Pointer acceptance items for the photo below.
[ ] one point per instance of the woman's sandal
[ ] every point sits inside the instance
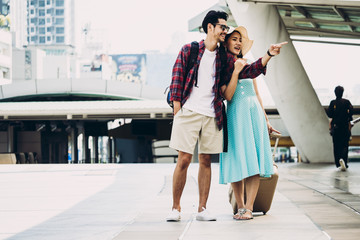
(241, 213)
(247, 218)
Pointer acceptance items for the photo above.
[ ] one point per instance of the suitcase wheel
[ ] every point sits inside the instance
(264, 213)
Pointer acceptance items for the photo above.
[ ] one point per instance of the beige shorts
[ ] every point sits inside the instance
(190, 127)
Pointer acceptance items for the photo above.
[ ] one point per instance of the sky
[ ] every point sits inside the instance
(139, 26)
(134, 26)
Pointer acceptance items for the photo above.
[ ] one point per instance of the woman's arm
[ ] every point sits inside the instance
(229, 90)
(270, 128)
(273, 50)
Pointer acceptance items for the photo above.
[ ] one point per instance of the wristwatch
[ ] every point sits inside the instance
(268, 53)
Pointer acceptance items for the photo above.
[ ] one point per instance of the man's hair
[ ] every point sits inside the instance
(339, 90)
(213, 18)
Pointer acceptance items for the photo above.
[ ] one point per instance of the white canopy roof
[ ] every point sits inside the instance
(84, 110)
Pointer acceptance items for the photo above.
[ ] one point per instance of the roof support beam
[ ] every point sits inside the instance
(292, 30)
(343, 15)
(309, 2)
(303, 12)
(291, 21)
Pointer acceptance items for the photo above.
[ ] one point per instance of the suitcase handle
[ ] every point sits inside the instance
(277, 136)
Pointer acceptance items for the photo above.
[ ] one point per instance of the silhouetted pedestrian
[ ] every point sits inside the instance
(340, 111)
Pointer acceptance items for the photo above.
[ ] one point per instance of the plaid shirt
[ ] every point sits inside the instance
(181, 95)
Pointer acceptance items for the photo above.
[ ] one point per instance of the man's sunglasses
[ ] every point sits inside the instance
(223, 27)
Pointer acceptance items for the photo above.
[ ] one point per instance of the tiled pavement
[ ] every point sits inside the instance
(131, 201)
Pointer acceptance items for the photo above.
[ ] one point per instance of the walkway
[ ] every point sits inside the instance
(131, 202)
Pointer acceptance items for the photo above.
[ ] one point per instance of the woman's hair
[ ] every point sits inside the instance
(227, 38)
(213, 18)
(339, 90)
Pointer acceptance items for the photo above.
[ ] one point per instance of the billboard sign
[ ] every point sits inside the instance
(130, 67)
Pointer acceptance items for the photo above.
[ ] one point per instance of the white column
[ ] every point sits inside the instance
(10, 139)
(288, 83)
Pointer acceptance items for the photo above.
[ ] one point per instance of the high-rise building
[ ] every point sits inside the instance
(5, 43)
(18, 22)
(51, 22)
(4, 7)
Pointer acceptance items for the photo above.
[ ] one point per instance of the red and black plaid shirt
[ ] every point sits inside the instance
(181, 95)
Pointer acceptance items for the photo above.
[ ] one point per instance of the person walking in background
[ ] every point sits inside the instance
(249, 152)
(340, 111)
(197, 102)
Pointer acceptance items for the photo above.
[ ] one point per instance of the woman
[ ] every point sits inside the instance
(249, 151)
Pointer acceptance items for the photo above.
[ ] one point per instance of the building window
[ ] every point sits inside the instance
(60, 30)
(32, 11)
(42, 40)
(42, 30)
(4, 10)
(48, 2)
(48, 39)
(33, 20)
(59, 3)
(49, 11)
(60, 39)
(59, 21)
(59, 12)
(41, 3)
(48, 20)
(41, 21)
(32, 30)
(42, 12)
(33, 39)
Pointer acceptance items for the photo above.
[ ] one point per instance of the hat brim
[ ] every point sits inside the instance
(246, 42)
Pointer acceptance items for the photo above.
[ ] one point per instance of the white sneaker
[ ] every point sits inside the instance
(342, 165)
(204, 215)
(174, 216)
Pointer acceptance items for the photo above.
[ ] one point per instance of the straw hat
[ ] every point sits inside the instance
(246, 42)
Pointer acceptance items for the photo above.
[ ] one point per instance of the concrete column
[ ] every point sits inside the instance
(86, 148)
(74, 153)
(81, 131)
(288, 83)
(96, 149)
(111, 150)
(10, 139)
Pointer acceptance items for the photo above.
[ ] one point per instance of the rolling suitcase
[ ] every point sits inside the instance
(266, 190)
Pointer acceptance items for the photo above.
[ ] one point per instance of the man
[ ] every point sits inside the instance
(340, 111)
(197, 100)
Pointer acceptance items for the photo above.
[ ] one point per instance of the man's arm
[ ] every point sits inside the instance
(351, 111)
(176, 87)
(330, 113)
(177, 106)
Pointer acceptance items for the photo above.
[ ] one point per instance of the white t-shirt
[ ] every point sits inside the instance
(201, 97)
